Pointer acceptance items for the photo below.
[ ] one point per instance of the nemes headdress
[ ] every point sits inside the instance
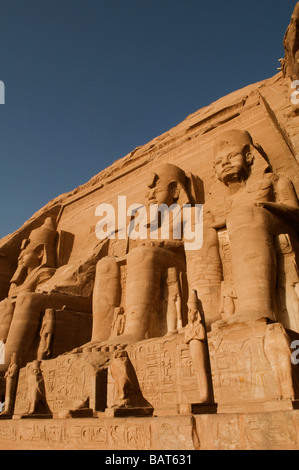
(235, 137)
(44, 236)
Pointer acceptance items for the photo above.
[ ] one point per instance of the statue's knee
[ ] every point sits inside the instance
(106, 266)
(26, 300)
(143, 257)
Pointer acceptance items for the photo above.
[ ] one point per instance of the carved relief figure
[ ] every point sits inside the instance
(228, 299)
(196, 338)
(172, 301)
(36, 389)
(46, 335)
(127, 393)
(255, 205)
(118, 324)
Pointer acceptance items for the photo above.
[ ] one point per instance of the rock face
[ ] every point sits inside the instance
(291, 45)
(106, 315)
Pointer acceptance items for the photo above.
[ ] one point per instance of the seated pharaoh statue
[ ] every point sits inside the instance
(149, 298)
(251, 221)
(21, 312)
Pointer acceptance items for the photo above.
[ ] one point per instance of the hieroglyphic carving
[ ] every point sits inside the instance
(116, 434)
(242, 366)
(69, 383)
(165, 371)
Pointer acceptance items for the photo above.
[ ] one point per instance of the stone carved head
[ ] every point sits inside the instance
(37, 250)
(167, 186)
(234, 155)
(194, 308)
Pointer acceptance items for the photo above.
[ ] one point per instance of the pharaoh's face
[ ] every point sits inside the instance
(231, 164)
(192, 314)
(29, 258)
(160, 191)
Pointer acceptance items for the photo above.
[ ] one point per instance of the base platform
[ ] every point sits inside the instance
(278, 430)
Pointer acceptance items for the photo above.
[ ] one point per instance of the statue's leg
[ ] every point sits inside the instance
(26, 321)
(6, 314)
(254, 262)
(144, 269)
(204, 273)
(106, 296)
(10, 392)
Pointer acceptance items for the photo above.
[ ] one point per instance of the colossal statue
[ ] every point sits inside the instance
(35, 266)
(254, 207)
(155, 266)
(20, 312)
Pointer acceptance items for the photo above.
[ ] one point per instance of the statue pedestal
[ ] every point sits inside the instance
(198, 409)
(250, 363)
(251, 367)
(81, 413)
(254, 385)
(260, 406)
(126, 412)
(33, 416)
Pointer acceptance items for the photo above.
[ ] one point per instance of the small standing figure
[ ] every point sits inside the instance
(228, 300)
(119, 320)
(11, 378)
(171, 301)
(127, 390)
(36, 389)
(196, 338)
(46, 335)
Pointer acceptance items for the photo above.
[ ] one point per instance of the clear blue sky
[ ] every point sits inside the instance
(87, 81)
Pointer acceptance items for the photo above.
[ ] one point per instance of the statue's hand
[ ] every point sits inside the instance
(269, 205)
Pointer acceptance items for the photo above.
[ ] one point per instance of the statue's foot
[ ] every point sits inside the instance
(6, 413)
(241, 317)
(110, 345)
(172, 332)
(118, 342)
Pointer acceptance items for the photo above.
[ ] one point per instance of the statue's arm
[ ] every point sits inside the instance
(286, 204)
